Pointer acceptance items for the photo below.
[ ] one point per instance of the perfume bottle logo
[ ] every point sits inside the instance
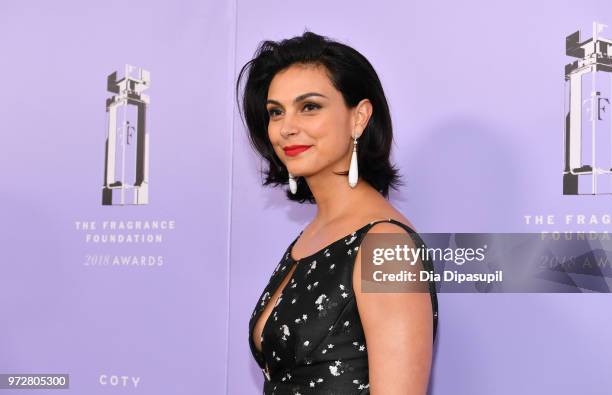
(126, 163)
(588, 124)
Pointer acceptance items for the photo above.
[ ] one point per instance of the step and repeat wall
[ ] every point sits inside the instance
(116, 129)
(136, 236)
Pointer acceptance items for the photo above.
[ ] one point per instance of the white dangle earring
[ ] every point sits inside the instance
(292, 184)
(353, 169)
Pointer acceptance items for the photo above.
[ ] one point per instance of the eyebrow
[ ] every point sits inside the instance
(297, 99)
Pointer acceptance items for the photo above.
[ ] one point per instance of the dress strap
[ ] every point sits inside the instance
(393, 221)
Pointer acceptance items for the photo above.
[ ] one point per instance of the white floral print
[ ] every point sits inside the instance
(316, 324)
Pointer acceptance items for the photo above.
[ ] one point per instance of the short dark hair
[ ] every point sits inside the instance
(351, 74)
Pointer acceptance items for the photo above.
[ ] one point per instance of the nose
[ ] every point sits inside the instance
(289, 126)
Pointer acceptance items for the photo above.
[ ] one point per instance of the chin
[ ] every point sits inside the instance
(298, 169)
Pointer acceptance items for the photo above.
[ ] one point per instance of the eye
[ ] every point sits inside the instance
(272, 112)
(312, 106)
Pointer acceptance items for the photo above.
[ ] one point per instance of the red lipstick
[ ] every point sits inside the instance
(293, 150)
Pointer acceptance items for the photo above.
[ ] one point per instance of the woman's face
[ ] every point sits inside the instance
(305, 109)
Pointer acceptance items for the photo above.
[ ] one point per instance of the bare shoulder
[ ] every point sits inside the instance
(390, 227)
(387, 227)
(398, 328)
(378, 228)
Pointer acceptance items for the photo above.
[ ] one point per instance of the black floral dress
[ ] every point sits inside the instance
(313, 341)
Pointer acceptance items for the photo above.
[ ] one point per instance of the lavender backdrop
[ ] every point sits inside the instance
(476, 93)
(165, 325)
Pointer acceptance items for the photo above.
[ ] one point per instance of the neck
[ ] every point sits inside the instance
(335, 198)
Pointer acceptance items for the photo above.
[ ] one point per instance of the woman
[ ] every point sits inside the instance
(315, 107)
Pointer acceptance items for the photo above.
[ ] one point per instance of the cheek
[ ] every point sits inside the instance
(333, 136)
(329, 128)
(274, 135)
(332, 146)
(274, 138)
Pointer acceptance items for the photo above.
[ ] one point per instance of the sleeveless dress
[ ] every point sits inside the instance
(313, 341)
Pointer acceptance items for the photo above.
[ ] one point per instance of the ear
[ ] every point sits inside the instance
(362, 114)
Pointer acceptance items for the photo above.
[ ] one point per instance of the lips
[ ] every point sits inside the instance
(293, 150)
